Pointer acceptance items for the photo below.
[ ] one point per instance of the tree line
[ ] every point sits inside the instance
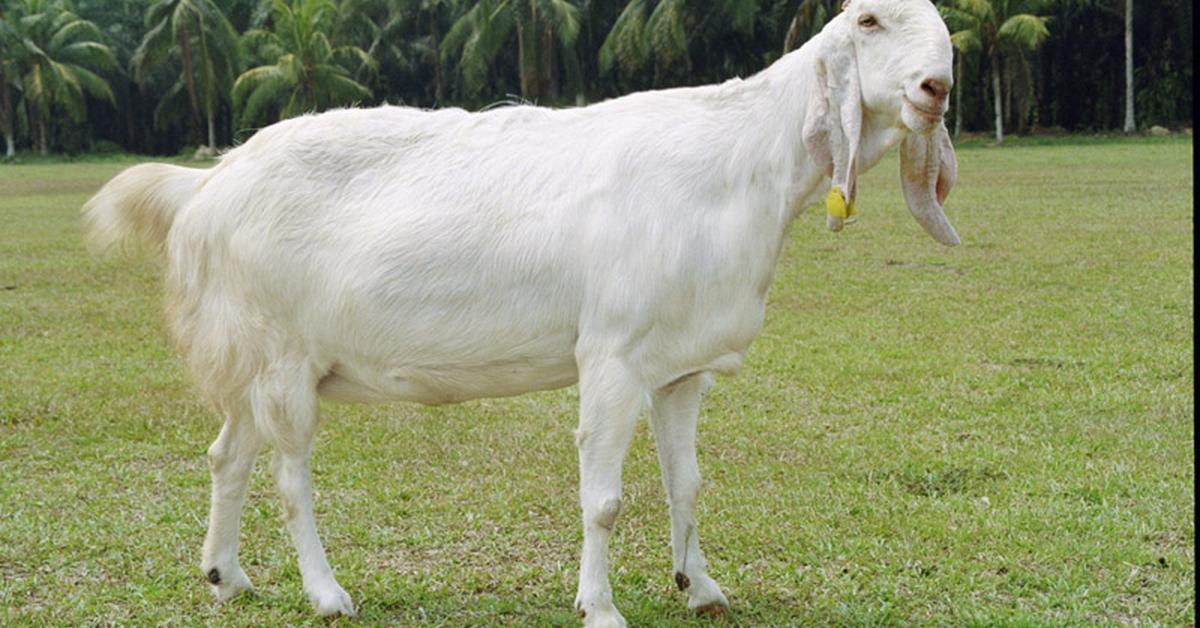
(154, 76)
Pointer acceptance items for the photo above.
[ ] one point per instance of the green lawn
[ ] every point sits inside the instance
(1000, 433)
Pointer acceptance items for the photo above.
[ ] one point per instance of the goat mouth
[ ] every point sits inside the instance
(931, 115)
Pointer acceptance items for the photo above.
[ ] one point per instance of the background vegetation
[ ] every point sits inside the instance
(154, 76)
(997, 434)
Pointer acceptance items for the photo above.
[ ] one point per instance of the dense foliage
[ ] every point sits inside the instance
(157, 75)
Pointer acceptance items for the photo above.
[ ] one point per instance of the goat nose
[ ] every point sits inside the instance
(936, 89)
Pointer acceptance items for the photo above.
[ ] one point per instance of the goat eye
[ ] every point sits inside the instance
(868, 21)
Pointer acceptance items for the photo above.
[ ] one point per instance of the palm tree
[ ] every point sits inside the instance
(57, 55)
(208, 50)
(1000, 29)
(647, 33)
(301, 71)
(964, 42)
(660, 33)
(542, 27)
(810, 18)
(403, 37)
(8, 68)
(1130, 123)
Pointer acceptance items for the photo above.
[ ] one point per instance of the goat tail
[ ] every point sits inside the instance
(134, 211)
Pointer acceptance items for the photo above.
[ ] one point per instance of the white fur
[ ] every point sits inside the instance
(439, 256)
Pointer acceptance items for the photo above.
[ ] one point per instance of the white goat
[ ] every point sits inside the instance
(439, 256)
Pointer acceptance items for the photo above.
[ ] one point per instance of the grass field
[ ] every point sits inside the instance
(1000, 433)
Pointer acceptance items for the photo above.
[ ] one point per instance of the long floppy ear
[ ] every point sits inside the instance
(833, 123)
(928, 169)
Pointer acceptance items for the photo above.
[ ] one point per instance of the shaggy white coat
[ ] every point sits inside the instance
(439, 256)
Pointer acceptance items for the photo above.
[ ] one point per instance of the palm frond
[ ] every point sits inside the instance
(493, 25)
(563, 18)
(90, 82)
(251, 79)
(459, 32)
(264, 103)
(173, 106)
(336, 88)
(36, 89)
(625, 44)
(666, 34)
(1023, 31)
(966, 41)
(354, 58)
(89, 53)
(980, 9)
(957, 19)
(155, 47)
(741, 14)
(75, 31)
(159, 13)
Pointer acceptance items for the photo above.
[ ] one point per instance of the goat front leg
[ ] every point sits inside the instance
(610, 400)
(230, 460)
(673, 419)
(287, 403)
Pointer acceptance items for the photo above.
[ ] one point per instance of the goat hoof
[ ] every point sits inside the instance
(332, 600)
(705, 596)
(603, 619)
(228, 583)
(600, 615)
(713, 609)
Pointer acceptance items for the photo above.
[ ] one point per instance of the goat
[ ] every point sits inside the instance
(439, 256)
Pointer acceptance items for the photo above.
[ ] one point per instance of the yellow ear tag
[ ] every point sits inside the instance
(836, 206)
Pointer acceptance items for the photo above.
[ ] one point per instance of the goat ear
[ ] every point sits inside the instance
(833, 123)
(928, 169)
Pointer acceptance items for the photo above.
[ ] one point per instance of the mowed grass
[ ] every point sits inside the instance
(1000, 433)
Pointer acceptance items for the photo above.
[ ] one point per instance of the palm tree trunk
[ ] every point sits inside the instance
(997, 98)
(189, 76)
(523, 60)
(6, 115)
(574, 75)
(549, 65)
(528, 57)
(1025, 80)
(958, 98)
(1130, 123)
(439, 89)
(1008, 89)
(42, 124)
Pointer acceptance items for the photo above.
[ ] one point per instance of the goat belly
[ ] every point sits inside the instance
(434, 385)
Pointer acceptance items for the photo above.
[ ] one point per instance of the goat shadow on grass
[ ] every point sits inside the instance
(435, 608)
(409, 607)
(447, 608)
(406, 606)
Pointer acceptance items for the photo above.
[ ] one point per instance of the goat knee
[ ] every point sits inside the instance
(234, 449)
(219, 455)
(606, 515)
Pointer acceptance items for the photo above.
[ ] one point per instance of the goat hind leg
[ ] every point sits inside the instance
(673, 419)
(230, 460)
(285, 402)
